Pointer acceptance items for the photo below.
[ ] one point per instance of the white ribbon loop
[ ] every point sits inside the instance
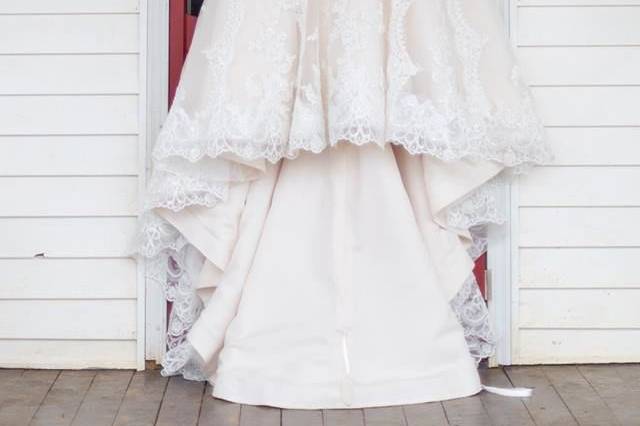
(510, 392)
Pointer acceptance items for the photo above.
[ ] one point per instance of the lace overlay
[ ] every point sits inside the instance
(314, 74)
(268, 79)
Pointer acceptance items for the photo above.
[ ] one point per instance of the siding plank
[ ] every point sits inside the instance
(589, 106)
(585, 65)
(69, 155)
(69, 196)
(571, 227)
(598, 267)
(43, 353)
(562, 346)
(69, 6)
(65, 115)
(60, 34)
(589, 26)
(580, 186)
(68, 278)
(68, 74)
(66, 237)
(579, 308)
(595, 145)
(68, 319)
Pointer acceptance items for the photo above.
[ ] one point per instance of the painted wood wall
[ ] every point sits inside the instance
(70, 140)
(576, 244)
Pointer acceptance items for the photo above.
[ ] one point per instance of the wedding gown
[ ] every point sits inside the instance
(320, 190)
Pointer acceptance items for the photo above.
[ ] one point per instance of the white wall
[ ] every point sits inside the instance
(576, 233)
(70, 172)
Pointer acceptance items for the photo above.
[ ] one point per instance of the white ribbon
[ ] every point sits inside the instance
(511, 392)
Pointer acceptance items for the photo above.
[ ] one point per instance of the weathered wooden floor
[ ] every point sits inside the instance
(564, 395)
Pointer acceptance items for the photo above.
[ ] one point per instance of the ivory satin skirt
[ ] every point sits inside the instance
(328, 285)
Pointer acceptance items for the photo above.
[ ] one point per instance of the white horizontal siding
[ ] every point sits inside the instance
(70, 278)
(584, 65)
(99, 319)
(69, 115)
(72, 353)
(68, 155)
(69, 196)
(577, 242)
(595, 146)
(69, 7)
(70, 138)
(574, 345)
(579, 267)
(69, 33)
(69, 74)
(66, 237)
(597, 25)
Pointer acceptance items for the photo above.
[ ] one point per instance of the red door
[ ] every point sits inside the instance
(183, 16)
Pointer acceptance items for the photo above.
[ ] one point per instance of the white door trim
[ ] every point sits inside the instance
(156, 81)
(502, 256)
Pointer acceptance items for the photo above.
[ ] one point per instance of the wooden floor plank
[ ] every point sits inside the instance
(612, 388)
(545, 405)
(583, 401)
(630, 374)
(103, 399)
(384, 416)
(141, 403)
(9, 374)
(217, 412)
(431, 414)
(181, 403)
(343, 417)
(63, 400)
(251, 415)
(503, 411)
(466, 412)
(9, 378)
(25, 396)
(301, 417)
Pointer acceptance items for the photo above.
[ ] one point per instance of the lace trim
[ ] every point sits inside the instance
(168, 270)
(306, 102)
(472, 313)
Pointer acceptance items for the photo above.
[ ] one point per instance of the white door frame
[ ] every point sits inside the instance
(502, 254)
(155, 66)
(156, 104)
